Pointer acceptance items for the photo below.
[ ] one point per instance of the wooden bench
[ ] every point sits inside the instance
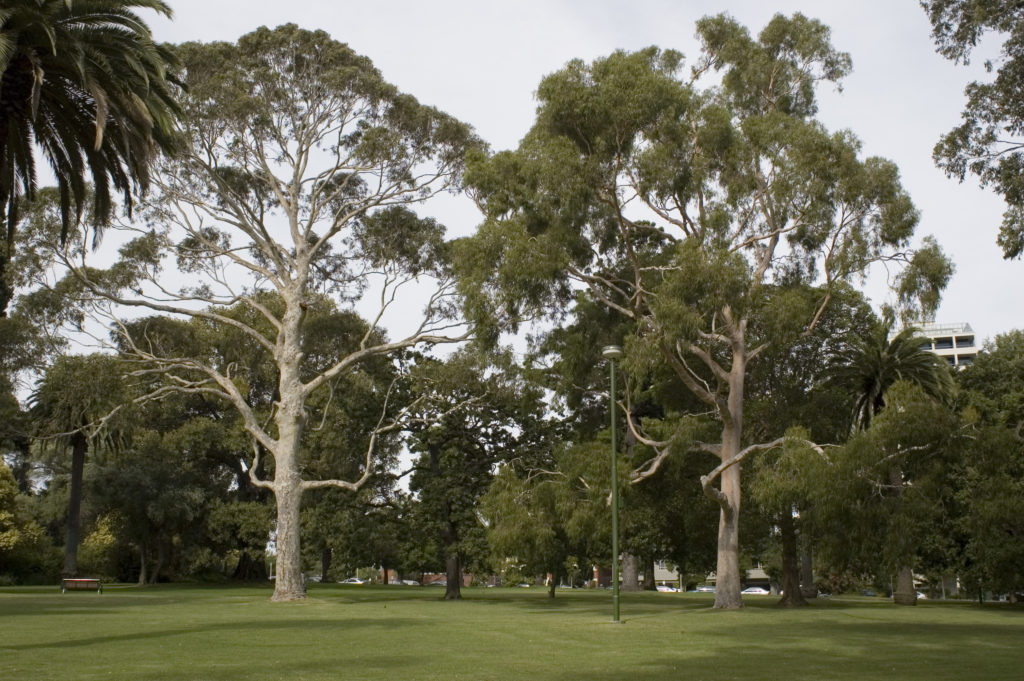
(81, 585)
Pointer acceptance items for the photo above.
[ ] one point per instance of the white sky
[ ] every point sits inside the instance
(482, 61)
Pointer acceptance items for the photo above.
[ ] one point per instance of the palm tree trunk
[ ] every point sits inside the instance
(79, 447)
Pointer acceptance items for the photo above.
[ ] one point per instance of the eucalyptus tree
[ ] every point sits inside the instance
(988, 143)
(300, 170)
(691, 208)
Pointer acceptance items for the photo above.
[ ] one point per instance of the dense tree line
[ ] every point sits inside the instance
(254, 413)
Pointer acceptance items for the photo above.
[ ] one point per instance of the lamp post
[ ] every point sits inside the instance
(612, 353)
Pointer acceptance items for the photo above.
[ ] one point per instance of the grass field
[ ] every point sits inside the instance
(408, 633)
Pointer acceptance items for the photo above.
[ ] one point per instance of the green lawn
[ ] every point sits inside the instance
(398, 633)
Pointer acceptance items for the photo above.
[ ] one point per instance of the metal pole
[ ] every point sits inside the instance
(615, 510)
(612, 353)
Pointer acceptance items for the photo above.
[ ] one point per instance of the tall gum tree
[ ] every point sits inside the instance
(299, 175)
(693, 208)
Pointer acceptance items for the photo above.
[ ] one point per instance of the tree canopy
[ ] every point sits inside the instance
(989, 142)
(697, 214)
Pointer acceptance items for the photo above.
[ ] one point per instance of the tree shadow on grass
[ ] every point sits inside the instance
(854, 651)
(260, 627)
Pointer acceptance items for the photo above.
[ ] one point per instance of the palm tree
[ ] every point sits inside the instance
(82, 81)
(872, 365)
(71, 407)
(870, 368)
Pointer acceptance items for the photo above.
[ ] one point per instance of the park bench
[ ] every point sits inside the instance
(81, 585)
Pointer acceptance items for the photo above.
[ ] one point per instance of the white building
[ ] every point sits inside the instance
(954, 342)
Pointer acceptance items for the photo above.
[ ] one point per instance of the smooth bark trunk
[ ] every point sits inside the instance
(79, 446)
(630, 572)
(728, 577)
(728, 574)
(905, 593)
(289, 419)
(792, 596)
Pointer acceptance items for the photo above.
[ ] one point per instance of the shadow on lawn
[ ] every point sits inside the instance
(855, 651)
(320, 627)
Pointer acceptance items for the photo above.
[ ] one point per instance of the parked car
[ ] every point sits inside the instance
(667, 588)
(353, 580)
(705, 589)
(756, 591)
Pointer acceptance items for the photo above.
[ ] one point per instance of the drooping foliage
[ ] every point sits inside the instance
(695, 213)
(83, 82)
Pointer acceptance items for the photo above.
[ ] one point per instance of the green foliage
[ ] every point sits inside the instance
(782, 67)
(26, 554)
(873, 364)
(988, 143)
(471, 418)
(77, 394)
(888, 492)
(990, 494)
(85, 84)
(538, 518)
(97, 555)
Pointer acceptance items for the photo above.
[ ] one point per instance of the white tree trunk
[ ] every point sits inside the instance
(288, 484)
(728, 576)
(288, 585)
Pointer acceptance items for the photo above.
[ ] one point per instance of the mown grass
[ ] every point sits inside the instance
(408, 633)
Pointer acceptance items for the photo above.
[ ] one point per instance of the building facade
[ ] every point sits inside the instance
(953, 342)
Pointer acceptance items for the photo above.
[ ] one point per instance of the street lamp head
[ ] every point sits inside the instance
(612, 352)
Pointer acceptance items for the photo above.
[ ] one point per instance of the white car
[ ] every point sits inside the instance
(353, 580)
(666, 588)
(755, 591)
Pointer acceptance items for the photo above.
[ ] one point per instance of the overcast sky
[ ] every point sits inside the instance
(481, 62)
